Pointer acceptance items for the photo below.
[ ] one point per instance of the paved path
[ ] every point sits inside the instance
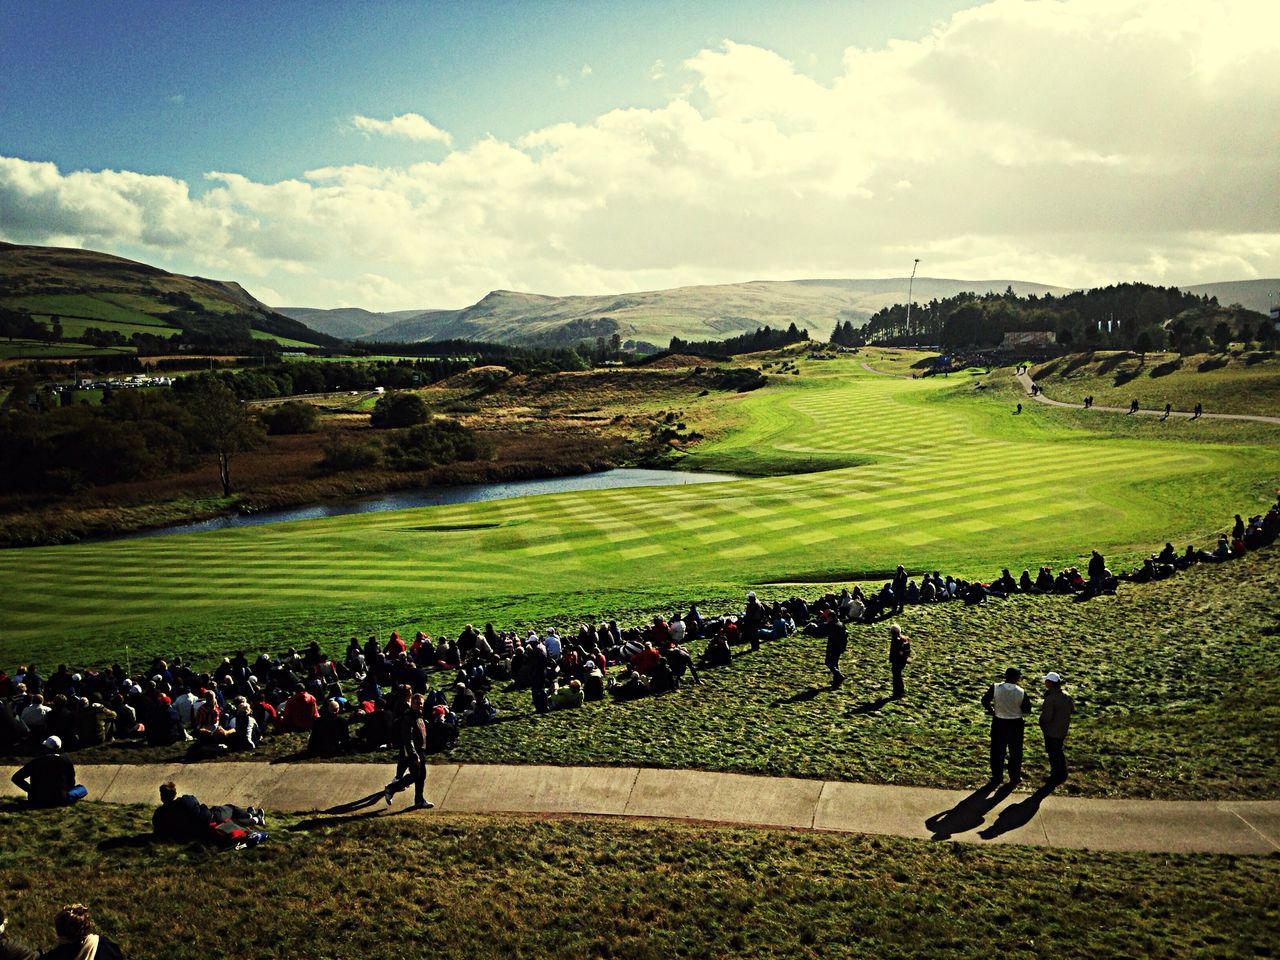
(1025, 380)
(1157, 826)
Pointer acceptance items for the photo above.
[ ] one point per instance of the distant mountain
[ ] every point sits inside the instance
(347, 323)
(692, 313)
(1259, 295)
(85, 288)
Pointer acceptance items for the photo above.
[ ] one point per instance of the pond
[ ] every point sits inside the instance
(444, 496)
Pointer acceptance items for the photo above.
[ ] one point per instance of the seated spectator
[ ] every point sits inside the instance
(331, 735)
(646, 659)
(300, 712)
(442, 728)
(49, 779)
(76, 937)
(36, 716)
(13, 732)
(568, 696)
(593, 682)
(482, 713)
(717, 653)
(95, 724)
(246, 732)
(629, 685)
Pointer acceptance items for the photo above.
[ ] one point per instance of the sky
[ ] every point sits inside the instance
(415, 155)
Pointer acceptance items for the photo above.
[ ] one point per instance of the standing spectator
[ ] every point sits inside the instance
(1007, 703)
(837, 643)
(77, 939)
(11, 949)
(899, 588)
(899, 654)
(1055, 718)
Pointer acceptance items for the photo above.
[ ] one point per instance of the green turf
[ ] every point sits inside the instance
(1244, 382)
(76, 326)
(950, 480)
(85, 306)
(36, 349)
(456, 886)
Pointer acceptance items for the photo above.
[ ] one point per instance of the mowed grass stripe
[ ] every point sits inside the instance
(953, 481)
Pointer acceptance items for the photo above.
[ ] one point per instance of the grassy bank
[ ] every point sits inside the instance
(1158, 673)
(457, 886)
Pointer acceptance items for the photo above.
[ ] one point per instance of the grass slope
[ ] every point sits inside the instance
(458, 886)
(1224, 383)
(87, 288)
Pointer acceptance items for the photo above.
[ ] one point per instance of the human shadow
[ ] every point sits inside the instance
(1018, 814)
(968, 813)
(133, 841)
(804, 696)
(871, 706)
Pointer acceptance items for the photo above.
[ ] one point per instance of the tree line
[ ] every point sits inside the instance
(764, 338)
(1129, 316)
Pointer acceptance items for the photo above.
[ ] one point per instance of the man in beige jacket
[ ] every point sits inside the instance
(1055, 719)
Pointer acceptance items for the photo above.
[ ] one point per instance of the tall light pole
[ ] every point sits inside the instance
(910, 286)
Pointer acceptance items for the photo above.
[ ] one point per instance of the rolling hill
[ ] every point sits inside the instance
(85, 288)
(347, 323)
(696, 313)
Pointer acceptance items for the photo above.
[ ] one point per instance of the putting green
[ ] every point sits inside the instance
(930, 473)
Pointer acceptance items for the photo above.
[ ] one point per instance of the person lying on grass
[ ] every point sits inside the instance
(184, 818)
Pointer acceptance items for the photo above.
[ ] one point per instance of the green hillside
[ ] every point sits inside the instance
(83, 289)
(691, 313)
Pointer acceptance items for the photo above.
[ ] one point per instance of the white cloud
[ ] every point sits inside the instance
(562, 81)
(1073, 143)
(406, 126)
(586, 71)
(658, 71)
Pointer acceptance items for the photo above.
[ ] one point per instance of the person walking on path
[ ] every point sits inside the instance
(837, 643)
(899, 654)
(1007, 703)
(1133, 407)
(413, 754)
(1055, 719)
(1199, 410)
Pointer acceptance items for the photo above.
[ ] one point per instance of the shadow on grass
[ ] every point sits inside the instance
(969, 813)
(1017, 814)
(804, 696)
(871, 706)
(132, 841)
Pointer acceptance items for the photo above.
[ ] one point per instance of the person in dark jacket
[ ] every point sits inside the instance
(331, 736)
(413, 756)
(899, 588)
(77, 938)
(837, 643)
(184, 818)
(1055, 719)
(899, 654)
(13, 949)
(49, 780)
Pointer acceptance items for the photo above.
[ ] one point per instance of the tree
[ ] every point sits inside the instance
(1222, 335)
(1143, 343)
(222, 425)
(399, 410)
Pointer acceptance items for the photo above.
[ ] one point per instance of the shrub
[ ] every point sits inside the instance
(432, 444)
(399, 410)
(292, 417)
(351, 453)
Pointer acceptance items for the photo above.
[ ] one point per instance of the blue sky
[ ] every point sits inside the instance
(598, 147)
(260, 88)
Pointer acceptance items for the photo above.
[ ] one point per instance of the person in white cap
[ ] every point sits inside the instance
(49, 780)
(1055, 718)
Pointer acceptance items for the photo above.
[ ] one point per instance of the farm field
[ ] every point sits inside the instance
(510, 886)
(1238, 382)
(929, 473)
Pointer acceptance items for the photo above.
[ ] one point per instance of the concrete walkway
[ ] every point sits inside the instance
(1039, 819)
(1025, 380)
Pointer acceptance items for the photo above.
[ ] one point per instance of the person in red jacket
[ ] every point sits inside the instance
(395, 646)
(300, 712)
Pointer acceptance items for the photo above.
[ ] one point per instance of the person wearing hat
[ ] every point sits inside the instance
(49, 780)
(1007, 703)
(1055, 718)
